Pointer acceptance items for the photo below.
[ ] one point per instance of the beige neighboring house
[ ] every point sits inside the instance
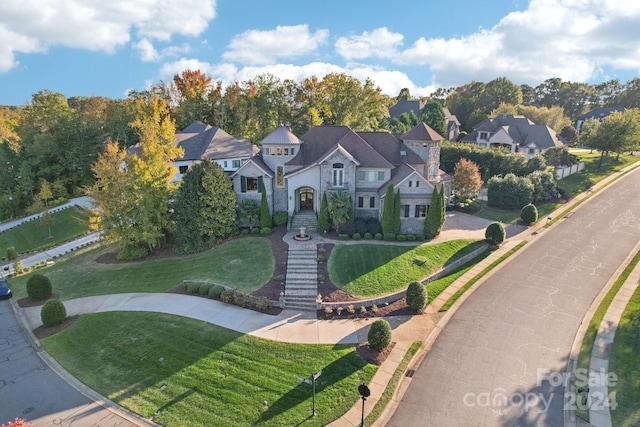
(517, 133)
(296, 171)
(200, 141)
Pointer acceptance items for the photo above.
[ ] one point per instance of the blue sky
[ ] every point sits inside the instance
(107, 47)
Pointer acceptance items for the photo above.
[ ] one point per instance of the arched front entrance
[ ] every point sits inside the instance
(306, 197)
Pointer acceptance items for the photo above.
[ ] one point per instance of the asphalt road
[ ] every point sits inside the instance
(500, 359)
(29, 389)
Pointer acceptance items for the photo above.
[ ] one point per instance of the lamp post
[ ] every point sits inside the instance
(364, 392)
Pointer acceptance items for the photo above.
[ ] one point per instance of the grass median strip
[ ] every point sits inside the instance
(584, 359)
(180, 371)
(393, 384)
(478, 276)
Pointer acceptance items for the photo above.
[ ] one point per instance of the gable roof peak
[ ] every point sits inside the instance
(422, 132)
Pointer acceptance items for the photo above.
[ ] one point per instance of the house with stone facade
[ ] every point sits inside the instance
(296, 171)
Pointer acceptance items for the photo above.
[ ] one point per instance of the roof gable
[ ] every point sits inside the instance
(422, 132)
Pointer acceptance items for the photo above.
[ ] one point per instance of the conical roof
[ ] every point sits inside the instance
(281, 136)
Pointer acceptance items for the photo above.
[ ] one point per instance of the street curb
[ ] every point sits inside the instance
(70, 379)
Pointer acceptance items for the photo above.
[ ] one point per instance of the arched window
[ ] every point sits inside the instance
(337, 175)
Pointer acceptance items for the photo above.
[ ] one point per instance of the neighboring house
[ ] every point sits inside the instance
(598, 113)
(405, 105)
(295, 172)
(517, 133)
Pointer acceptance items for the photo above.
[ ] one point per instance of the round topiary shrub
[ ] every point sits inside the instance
(401, 237)
(368, 236)
(39, 287)
(53, 313)
(379, 335)
(416, 296)
(356, 236)
(216, 292)
(203, 289)
(495, 233)
(265, 231)
(529, 214)
(378, 236)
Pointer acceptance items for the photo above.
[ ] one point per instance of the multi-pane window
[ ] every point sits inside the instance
(183, 169)
(372, 202)
(421, 211)
(380, 175)
(235, 164)
(337, 175)
(360, 202)
(252, 184)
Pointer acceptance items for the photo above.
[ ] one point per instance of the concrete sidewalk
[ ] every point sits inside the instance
(291, 327)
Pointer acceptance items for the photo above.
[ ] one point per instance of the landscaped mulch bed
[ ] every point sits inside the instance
(46, 331)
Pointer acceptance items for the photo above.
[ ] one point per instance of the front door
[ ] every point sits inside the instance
(306, 199)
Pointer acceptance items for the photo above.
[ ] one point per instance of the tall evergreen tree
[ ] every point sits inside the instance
(324, 224)
(442, 208)
(388, 211)
(396, 213)
(205, 208)
(265, 215)
(432, 218)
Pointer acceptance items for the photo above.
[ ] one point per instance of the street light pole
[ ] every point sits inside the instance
(364, 392)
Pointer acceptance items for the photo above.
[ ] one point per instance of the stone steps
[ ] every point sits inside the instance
(301, 284)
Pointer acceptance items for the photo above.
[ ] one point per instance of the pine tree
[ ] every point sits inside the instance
(265, 215)
(388, 211)
(396, 213)
(442, 208)
(324, 224)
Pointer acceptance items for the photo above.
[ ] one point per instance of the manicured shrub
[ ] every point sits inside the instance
(420, 237)
(378, 236)
(265, 216)
(203, 289)
(373, 226)
(411, 237)
(280, 218)
(53, 313)
(192, 288)
(215, 292)
(510, 192)
(389, 237)
(379, 335)
(255, 231)
(324, 223)
(265, 231)
(368, 236)
(401, 237)
(356, 236)
(495, 233)
(12, 253)
(245, 231)
(39, 287)
(529, 214)
(416, 296)
(343, 236)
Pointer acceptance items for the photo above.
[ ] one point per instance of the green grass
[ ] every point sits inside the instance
(436, 287)
(245, 264)
(591, 175)
(495, 214)
(370, 270)
(68, 224)
(477, 277)
(388, 392)
(624, 362)
(213, 376)
(584, 359)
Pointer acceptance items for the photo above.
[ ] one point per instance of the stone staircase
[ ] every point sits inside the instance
(301, 284)
(307, 219)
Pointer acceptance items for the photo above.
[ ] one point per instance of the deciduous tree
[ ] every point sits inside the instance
(466, 180)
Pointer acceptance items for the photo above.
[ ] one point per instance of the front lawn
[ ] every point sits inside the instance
(370, 270)
(183, 372)
(68, 224)
(591, 175)
(246, 264)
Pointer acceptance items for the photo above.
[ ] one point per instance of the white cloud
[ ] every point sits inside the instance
(255, 47)
(380, 43)
(148, 52)
(29, 26)
(570, 39)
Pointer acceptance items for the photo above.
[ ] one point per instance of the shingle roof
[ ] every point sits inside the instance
(321, 140)
(600, 113)
(391, 148)
(282, 135)
(199, 140)
(422, 132)
(404, 106)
